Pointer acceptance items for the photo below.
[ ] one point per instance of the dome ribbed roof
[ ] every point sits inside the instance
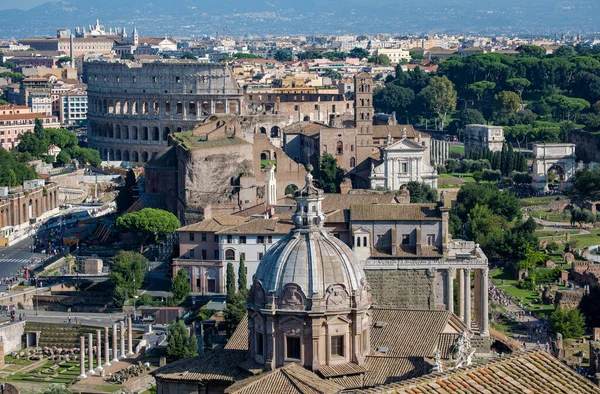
(313, 260)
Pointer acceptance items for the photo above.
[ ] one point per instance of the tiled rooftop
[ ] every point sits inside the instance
(532, 372)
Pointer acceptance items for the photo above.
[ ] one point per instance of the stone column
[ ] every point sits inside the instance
(484, 302)
(461, 294)
(90, 354)
(106, 349)
(450, 289)
(98, 351)
(129, 336)
(115, 355)
(122, 329)
(82, 374)
(467, 293)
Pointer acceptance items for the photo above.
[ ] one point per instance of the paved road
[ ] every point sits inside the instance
(12, 258)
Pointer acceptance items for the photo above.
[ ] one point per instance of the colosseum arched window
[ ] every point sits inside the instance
(156, 108)
(125, 134)
(118, 132)
(145, 108)
(205, 108)
(155, 134)
(118, 107)
(166, 132)
(145, 134)
(134, 133)
(167, 108)
(192, 110)
(126, 107)
(220, 107)
(134, 107)
(179, 108)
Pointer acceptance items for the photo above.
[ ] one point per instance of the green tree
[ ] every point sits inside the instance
(333, 74)
(282, 56)
(153, 224)
(422, 193)
(63, 158)
(480, 88)
(381, 59)
(234, 312)
(440, 97)
(127, 274)
(230, 284)
(179, 343)
(518, 85)
(242, 280)
(393, 98)
(180, 285)
(531, 51)
(38, 128)
(359, 53)
(188, 55)
(64, 59)
(330, 175)
(507, 102)
(568, 322)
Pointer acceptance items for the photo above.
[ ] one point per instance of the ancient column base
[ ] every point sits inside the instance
(130, 354)
(98, 368)
(115, 360)
(106, 364)
(81, 377)
(90, 372)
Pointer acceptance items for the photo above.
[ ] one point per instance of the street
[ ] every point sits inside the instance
(12, 258)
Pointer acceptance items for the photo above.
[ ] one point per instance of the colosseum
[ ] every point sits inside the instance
(134, 106)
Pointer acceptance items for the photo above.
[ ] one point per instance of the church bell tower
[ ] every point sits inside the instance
(363, 103)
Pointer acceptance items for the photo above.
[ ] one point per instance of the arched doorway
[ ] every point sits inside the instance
(134, 156)
(275, 132)
(144, 156)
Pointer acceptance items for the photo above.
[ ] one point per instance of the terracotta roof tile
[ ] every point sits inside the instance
(261, 226)
(289, 379)
(368, 212)
(215, 224)
(532, 372)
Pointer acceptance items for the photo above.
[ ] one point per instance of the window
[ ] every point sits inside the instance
(430, 239)
(260, 256)
(178, 79)
(260, 342)
(203, 254)
(243, 256)
(216, 255)
(242, 239)
(260, 239)
(405, 239)
(404, 167)
(230, 254)
(192, 253)
(352, 162)
(212, 285)
(203, 235)
(292, 347)
(229, 239)
(365, 241)
(269, 239)
(191, 236)
(216, 238)
(337, 346)
(339, 149)
(358, 242)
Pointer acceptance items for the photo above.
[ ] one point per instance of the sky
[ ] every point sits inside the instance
(21, 4)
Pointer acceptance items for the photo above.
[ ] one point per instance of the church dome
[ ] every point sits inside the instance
(309, 266)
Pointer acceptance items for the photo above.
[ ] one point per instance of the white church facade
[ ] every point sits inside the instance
(402, 162)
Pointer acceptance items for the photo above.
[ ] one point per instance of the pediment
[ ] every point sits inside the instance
(404, 144)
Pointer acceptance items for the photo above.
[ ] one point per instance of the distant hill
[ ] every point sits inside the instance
(197, 17)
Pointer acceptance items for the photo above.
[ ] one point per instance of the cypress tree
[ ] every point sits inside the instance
(242, 281)
(509, 164)
(503, 155)
(230, 284)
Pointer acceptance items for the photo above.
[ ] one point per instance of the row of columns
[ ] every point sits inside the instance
(99, 366)
(464, 296)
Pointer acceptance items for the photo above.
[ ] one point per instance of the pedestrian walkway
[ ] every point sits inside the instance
(19, 261)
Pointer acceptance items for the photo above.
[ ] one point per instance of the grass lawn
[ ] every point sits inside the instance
(552, 216)
(553, 233)
(454, 180)
(457, 149)
(527, 296)
(587, 239)
(533, 201)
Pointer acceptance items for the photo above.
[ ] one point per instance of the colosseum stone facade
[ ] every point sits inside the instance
(134, 106)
